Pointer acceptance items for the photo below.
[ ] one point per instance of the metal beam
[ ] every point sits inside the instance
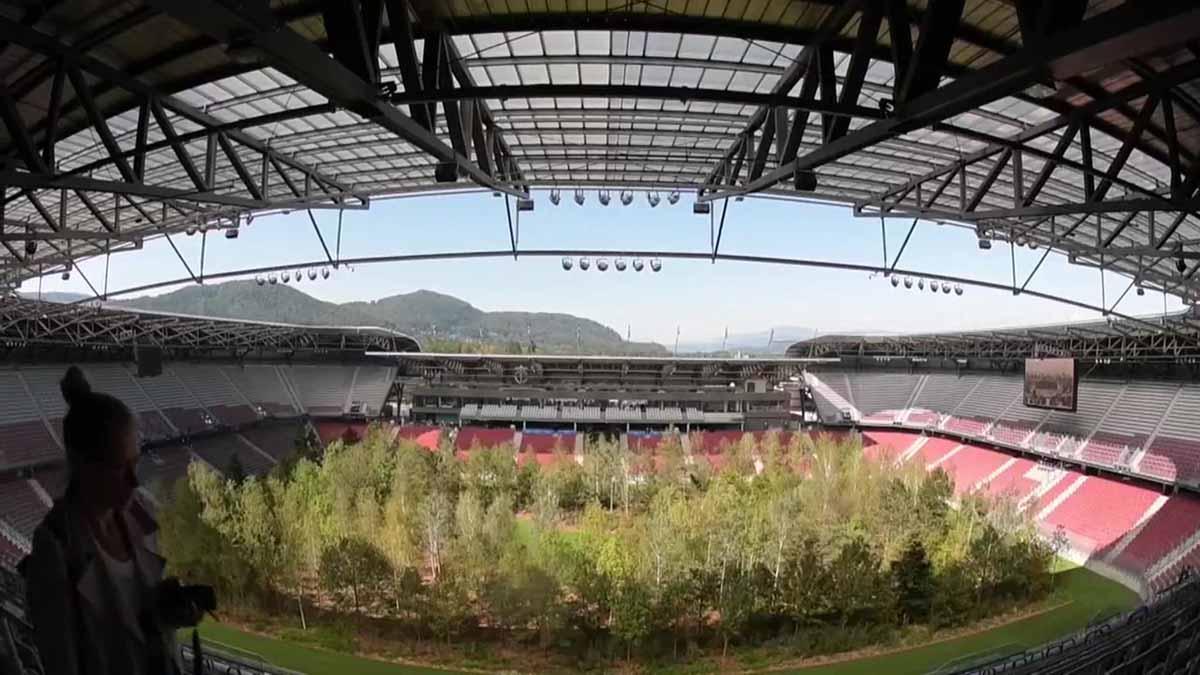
(254, 24)
(933, 50)
(1071, 53)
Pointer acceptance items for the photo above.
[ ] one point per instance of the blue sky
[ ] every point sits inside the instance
(698, 297)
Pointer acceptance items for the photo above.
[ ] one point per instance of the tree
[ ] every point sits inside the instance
(356, 565)
(234, 471)
(913, 584)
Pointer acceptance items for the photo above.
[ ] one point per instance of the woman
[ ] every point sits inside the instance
(97, 598)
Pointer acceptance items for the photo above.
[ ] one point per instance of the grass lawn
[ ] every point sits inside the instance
(1087, 597)
(304, 659)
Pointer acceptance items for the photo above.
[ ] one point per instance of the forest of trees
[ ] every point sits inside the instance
(618, 556)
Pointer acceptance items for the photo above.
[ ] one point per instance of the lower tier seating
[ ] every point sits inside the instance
(21, 506)
(27, 442)
(1169, 527)
(549, 442)
(712, 442)
(470, 437)
(972, 465)
(1100, 512)
(423, 435)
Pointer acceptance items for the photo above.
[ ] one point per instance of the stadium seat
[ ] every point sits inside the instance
(423, 435)
(547, 442)
(1175, 522)
(1100, 512)
(971, 465)
(1172, 459)
(21, 506)
(470, 437)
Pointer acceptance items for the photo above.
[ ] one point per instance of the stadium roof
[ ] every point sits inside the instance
(29, 323)
(1170, 338)
(1066, 124)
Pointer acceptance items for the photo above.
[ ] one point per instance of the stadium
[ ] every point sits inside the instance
(406, 494)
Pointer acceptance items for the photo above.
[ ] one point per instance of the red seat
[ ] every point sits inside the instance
(548, 443)
(971, 465)
(1177, 520)
(469, 437)
(1100, 512)
(28, 442)
(1173, 458)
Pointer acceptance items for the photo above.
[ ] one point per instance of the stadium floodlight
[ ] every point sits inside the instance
(604, 197)
(602, 264)
(584, 263)
(958, 289)
(231, 233)
(673, 197)
(567, 263)
(555, 197)
(1033, 245)
(908, 282)
(933, 286)
(895, 281)
(260, 279)
(653, 198)
(1141, 291)
(312, 274)
(191, 229)
(579, 196)
(626, 197)
(985, 244)
(920, 284)
(638, 265)
(272, 278)
(656, 264)
(31, 247)
(325, 272)
(946, 287)
(619, 263)
(701, 208)
(285, 277)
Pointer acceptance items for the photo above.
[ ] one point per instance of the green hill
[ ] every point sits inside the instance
(439, 321)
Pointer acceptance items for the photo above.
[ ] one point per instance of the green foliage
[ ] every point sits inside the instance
(613, 553)
(354, 565)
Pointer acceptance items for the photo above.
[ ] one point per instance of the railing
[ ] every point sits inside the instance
(220, 659)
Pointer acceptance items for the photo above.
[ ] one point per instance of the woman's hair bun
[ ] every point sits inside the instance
(74, 385)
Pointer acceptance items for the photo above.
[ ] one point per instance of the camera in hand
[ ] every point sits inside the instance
(184, 605)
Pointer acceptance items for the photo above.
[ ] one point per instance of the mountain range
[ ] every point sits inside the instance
(436, 319)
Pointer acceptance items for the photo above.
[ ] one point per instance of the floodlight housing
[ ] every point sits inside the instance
(895, 281)
(920, 284)
(653, 198)
(555, 197)
(579, 197)
(673, 197)
(908, 282)
(567, 263)
(701, 208)
(602, 264)
(626, 197)
(638, 265)
(285, 276)
(272, 278)
(584, 263)
(324, 272)
(604, 197)
(619, 263)
(312, 274)
(656, 264)
(260, 279)
(958, 289)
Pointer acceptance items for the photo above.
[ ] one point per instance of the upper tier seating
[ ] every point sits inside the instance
(1100, 512)
(470, 437)
(24, 437)
(944, 391)
(371, 385)
(1133, 420)
(175, 401)
(322, 389)
(263, 386)
(1169, 527)
(839, 383)
(114, 379)
(1094, 399)
(21, 506)
(876, 392)
(1175, 452)
(210, 386)
(985, 403)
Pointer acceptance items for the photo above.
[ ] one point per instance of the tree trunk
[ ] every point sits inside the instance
(300, 602)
